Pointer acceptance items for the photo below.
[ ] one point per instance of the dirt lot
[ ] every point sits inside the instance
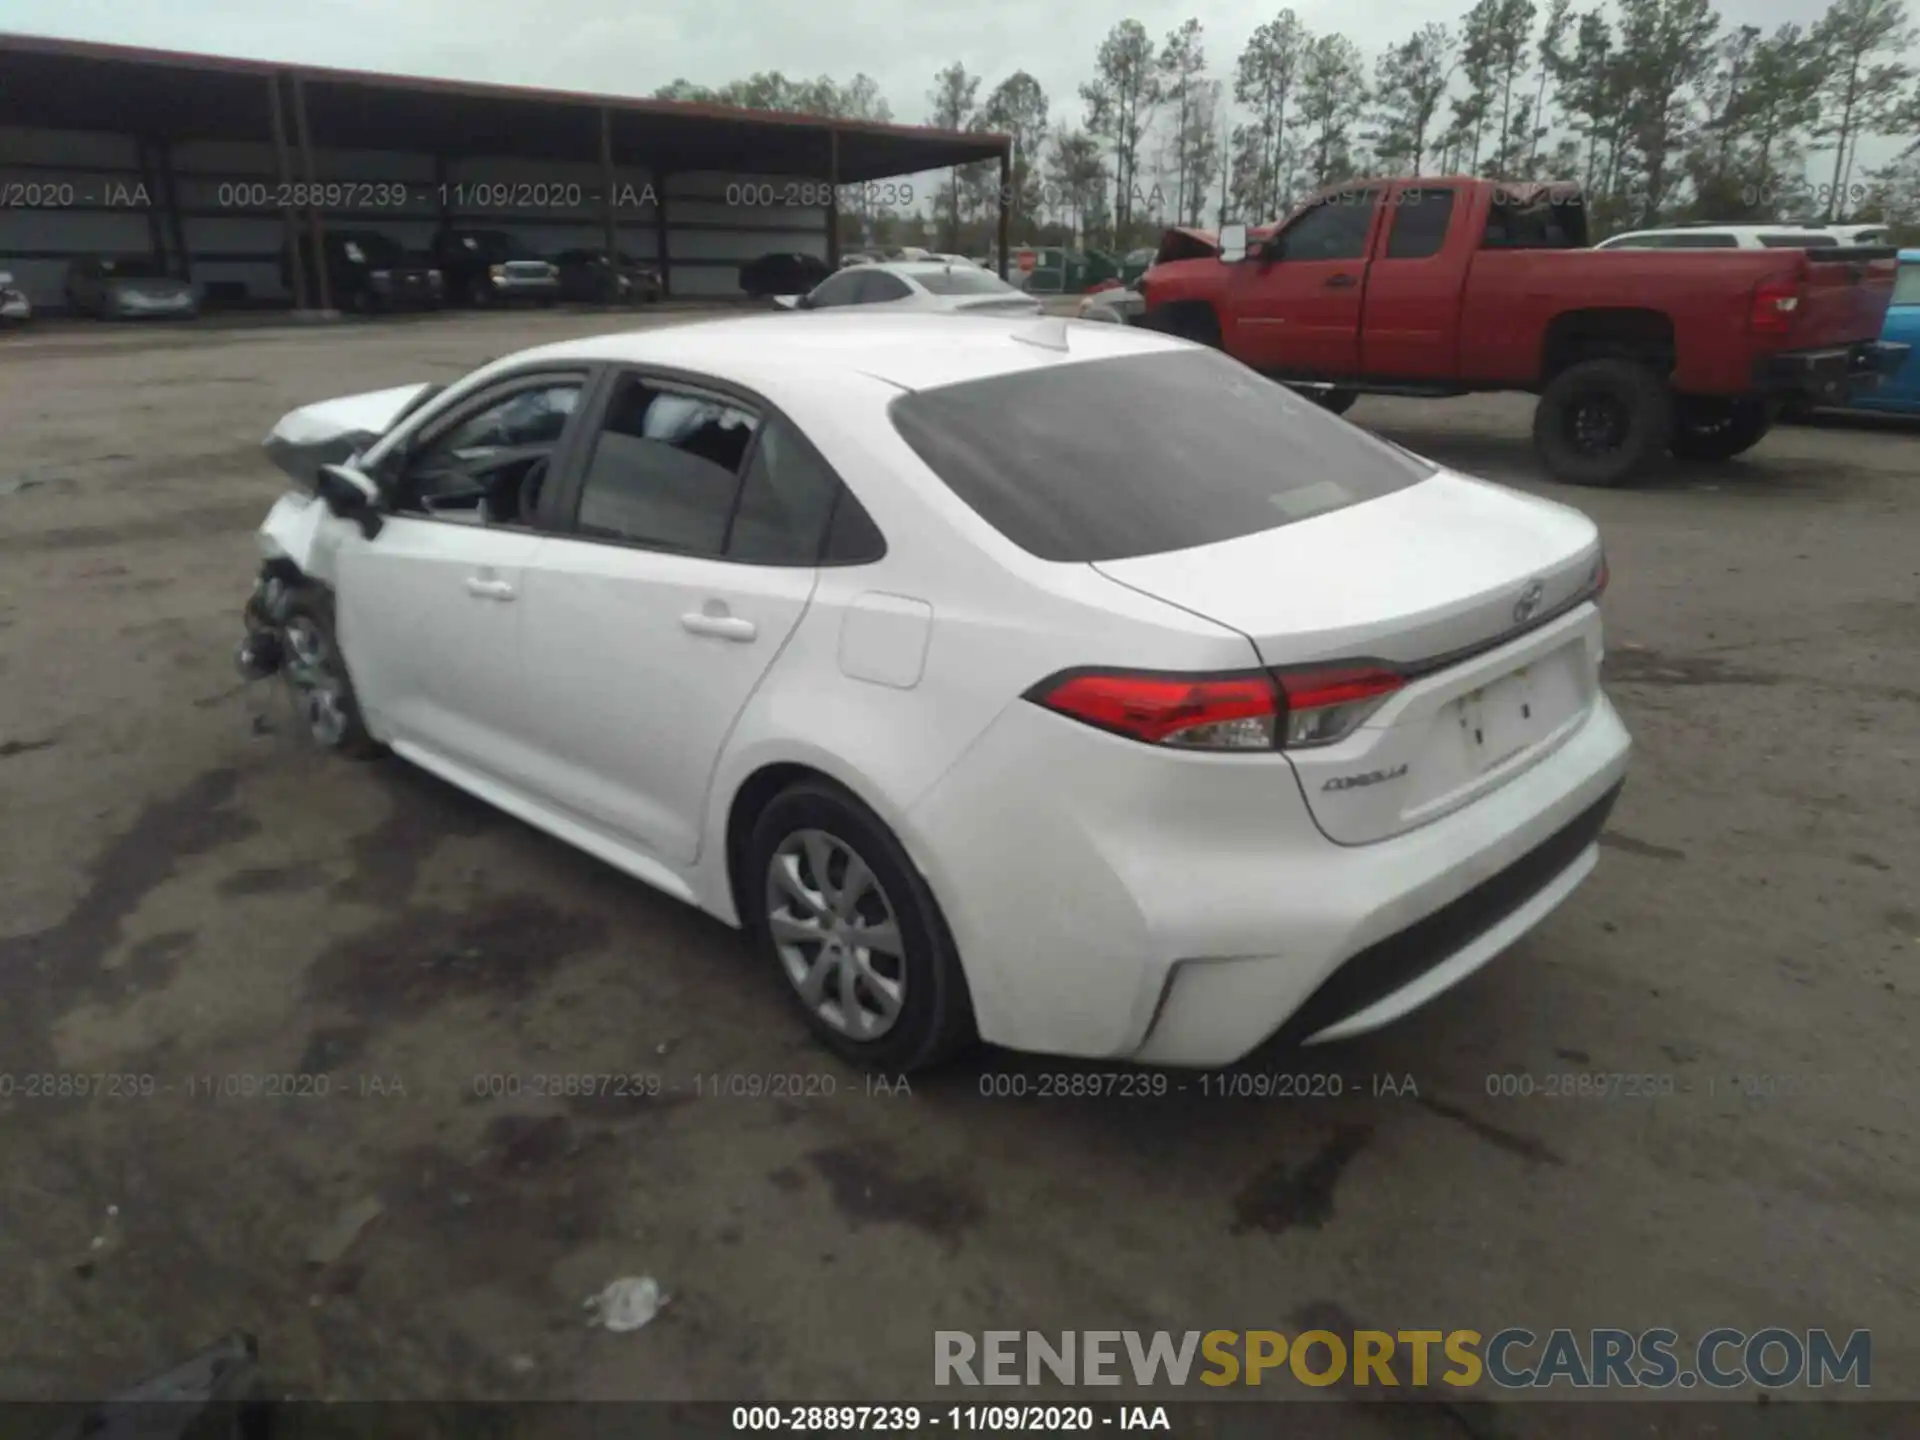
(187, 894)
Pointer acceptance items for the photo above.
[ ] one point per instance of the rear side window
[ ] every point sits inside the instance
(786, 502)
(1797, 242)
(1536, 220)
(665, 469)
(1108, 459)
(1906, 288)
(1420, 219)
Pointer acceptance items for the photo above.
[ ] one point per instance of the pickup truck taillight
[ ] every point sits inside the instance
(1774, 304)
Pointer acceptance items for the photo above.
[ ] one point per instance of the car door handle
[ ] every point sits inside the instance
(1340, 282)
(489, 589)
(721, 627)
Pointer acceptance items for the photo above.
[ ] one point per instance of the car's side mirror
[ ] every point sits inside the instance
(1233, 244)
(351, 496)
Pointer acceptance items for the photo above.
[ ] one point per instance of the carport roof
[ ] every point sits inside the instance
(82, 85)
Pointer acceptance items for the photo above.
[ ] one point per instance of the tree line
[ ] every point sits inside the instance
(1657, 108)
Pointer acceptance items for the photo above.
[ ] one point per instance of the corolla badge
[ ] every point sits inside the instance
(1368, 777)
(1528, 602)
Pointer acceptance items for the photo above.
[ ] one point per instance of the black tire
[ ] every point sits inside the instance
(310, 618)
(1714, 429)
(1335, 399)
(935, 1019)
(1603, 422)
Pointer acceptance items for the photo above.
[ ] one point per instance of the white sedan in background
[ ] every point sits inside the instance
(1066, 685)
(933, 285)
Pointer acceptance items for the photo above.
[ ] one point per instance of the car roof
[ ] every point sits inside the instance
(936, 266)
(769, 353)
(1910, 255)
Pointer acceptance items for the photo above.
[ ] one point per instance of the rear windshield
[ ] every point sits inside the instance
(962, 280)
(1109, 459)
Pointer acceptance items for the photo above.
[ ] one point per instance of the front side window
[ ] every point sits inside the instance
(665, 469)
(1335, 229)
(840, 289)
(881, 287)
(1420, 219)
(489, 465)
(531, 417)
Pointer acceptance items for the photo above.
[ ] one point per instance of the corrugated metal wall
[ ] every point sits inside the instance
(97, 193)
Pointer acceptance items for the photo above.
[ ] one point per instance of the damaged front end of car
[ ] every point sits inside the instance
(262, 650)
(312, 446)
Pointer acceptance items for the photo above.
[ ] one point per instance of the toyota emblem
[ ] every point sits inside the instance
(1528, 602)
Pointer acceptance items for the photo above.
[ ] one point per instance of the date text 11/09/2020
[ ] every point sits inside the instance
(960, 1419)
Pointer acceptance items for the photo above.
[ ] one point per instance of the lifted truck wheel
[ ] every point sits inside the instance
(1603, 422)
(1716, 429)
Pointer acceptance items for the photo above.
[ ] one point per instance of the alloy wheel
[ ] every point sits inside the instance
(836, 933)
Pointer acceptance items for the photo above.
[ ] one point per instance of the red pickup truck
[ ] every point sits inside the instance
(1448, 286)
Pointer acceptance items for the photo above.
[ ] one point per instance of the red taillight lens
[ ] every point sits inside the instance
(1325, 703)
(1775, 304)
(1252, 710)
(1195, 712)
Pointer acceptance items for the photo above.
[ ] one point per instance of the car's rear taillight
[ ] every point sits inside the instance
(1325, 703)
(1244, 711)
(1193, 712)
(1775, 303)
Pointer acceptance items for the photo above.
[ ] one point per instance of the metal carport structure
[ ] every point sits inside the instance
(198, 154)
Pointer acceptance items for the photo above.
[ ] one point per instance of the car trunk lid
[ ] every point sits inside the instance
(1476, 595)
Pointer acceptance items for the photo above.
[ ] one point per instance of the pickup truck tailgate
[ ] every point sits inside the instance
(1843, 297)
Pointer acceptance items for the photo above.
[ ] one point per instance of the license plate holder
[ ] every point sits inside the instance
(1499, 720)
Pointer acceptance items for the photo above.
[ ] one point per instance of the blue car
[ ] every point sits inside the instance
(1899, 393)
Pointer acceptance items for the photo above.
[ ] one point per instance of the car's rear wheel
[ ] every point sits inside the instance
(316, 674)
(1603, 422)
(854, 931)
(1332, 397)
(1717, 429)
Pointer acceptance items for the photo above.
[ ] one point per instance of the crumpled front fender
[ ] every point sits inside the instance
(301, 529)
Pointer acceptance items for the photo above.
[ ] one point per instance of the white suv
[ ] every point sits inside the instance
(1747, 237)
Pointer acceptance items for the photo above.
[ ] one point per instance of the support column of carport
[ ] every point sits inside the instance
(833, 199)
(1005, 182)
(609, 220)
(283, 172)
(315, 227)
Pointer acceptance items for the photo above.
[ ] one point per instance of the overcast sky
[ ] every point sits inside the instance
(634, 46)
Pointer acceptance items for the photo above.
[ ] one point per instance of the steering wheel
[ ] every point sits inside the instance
(528, 498)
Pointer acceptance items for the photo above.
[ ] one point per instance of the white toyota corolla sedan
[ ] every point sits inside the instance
(1058, 683)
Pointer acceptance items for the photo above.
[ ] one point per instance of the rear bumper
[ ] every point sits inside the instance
(1182, 910)
(1830, 376)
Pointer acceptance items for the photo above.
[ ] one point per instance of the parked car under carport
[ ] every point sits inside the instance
(129, 287)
